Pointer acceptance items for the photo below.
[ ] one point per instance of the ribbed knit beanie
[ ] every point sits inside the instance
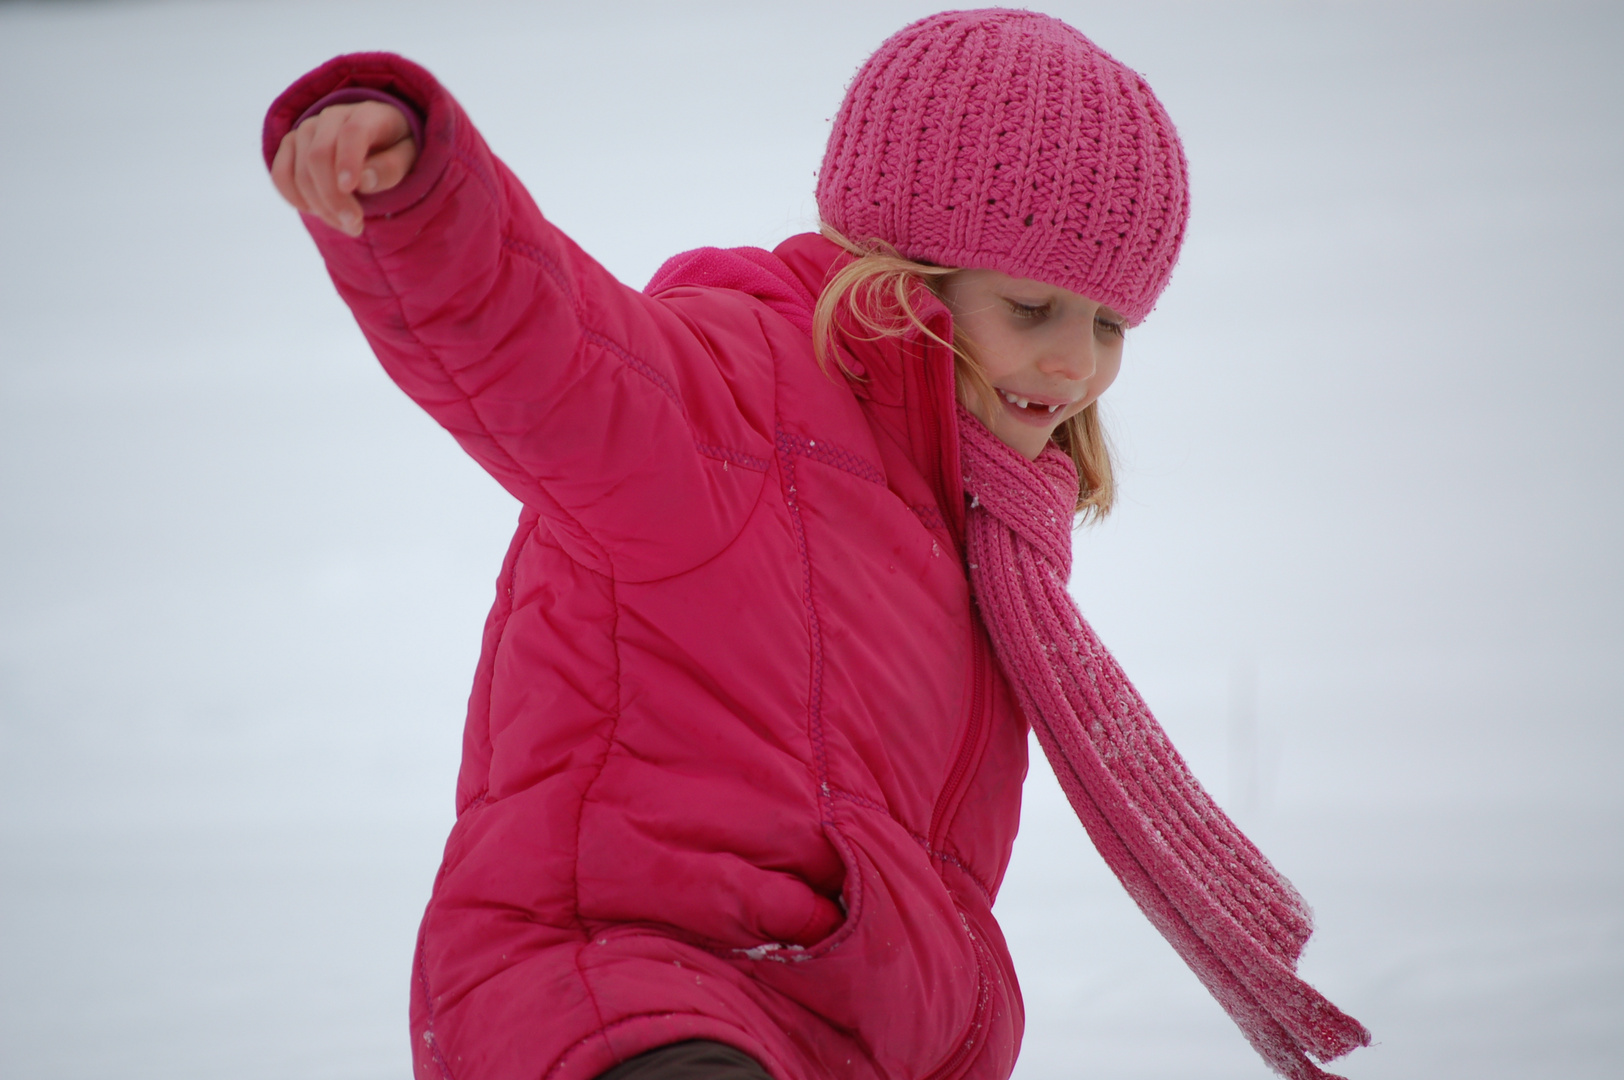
(1006, 140)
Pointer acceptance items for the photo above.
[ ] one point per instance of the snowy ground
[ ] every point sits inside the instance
(1367, 569)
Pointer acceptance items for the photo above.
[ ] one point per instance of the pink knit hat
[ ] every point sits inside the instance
(1006, 140)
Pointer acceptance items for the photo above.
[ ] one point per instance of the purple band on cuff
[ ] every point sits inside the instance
(350, 95)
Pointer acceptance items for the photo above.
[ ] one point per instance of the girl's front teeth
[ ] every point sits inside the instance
(1023, 402)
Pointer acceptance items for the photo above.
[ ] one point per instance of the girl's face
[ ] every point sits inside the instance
(1047, 351)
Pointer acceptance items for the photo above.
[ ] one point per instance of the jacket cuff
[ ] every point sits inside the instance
(395, 77)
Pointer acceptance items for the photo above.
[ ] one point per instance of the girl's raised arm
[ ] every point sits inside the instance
(600, 407)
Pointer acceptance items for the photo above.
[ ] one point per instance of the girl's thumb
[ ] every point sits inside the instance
(389, 167)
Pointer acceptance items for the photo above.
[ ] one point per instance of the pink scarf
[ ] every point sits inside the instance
(1233, 918)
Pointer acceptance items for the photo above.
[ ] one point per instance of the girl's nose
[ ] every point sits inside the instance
(1072, 354)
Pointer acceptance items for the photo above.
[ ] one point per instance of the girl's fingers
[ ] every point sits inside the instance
(357, 134)
(303, 175)
(323, 163)
(361, 129)
(370, 127)
(282, 174)
(388, 167)
(319, 173)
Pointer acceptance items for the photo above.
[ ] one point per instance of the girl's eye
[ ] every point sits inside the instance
(1110, 327)
(1028, 311)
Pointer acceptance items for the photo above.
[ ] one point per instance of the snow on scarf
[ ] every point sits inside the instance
(1234, 918)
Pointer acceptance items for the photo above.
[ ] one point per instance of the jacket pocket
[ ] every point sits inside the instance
(716, 900)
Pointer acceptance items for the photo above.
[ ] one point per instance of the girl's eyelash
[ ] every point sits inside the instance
(1034, 311)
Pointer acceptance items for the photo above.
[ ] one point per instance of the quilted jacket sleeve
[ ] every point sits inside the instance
(639, 428)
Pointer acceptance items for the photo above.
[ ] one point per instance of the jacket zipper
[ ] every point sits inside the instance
(939, 399)
(940, 394)
(969, 745)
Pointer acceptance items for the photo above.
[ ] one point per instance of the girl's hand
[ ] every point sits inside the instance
(365, 147)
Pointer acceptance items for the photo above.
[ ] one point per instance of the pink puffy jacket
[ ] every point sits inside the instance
(739, 762)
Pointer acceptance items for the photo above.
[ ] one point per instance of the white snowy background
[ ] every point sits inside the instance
(1367, 566)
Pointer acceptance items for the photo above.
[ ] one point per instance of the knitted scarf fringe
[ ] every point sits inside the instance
(1235, 920)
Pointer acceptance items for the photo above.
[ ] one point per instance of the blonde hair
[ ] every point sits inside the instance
(876, 293)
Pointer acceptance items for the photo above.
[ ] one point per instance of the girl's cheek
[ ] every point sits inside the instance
(1107, 375)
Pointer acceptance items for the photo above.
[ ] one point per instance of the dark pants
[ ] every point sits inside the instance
(696, 1059)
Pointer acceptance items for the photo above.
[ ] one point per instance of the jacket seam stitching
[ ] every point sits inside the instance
(422, 966)
(833, 455)
(783, 443)
(550, 266)
(930, 515)
(953, 859)
(428, 1012)
(580, 813)
(814, 703)
(469, 162)
(737, 457)
(597, 337)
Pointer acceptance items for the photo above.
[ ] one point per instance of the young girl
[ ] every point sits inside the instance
(744, 752)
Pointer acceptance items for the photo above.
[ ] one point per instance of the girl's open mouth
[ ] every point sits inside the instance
(1028, 410)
